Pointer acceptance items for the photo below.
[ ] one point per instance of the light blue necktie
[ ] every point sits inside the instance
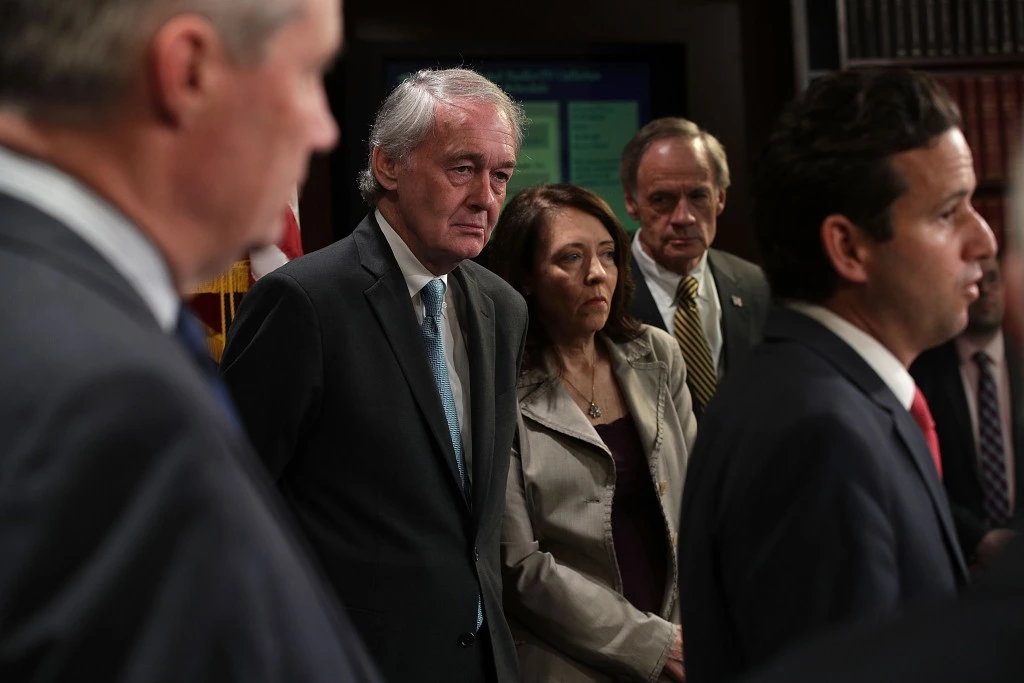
(433, 340)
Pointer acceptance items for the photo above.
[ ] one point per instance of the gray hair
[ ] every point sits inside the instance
(408, 113)
(72, 59)
(671, 127)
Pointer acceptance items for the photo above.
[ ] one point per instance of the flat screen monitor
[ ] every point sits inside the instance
(584, 103)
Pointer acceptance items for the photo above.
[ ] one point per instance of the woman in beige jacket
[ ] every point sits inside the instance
(594, 488)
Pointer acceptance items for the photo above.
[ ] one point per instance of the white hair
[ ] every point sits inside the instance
(407, 115)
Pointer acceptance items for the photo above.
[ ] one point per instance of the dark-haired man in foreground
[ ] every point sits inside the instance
(814, 494)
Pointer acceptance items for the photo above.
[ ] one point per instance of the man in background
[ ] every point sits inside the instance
(144, 146)
(377, 379)
(675, 176)
(972, 384)
(814, 493)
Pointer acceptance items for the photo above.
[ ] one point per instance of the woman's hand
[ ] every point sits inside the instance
(674, 664)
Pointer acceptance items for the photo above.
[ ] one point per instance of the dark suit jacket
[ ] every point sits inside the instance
(331, 378)
(976, 640)
(741, 323)
(140, 539)
(824, 507)
(937, 373)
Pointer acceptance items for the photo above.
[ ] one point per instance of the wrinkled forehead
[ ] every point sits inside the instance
(675, 160)
(462, 118)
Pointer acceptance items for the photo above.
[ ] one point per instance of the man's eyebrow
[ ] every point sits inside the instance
(954, 196)
(478, 159)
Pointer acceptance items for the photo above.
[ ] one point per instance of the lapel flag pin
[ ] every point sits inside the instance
(736, 301)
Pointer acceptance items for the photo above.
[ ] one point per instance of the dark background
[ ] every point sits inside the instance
(737, 73)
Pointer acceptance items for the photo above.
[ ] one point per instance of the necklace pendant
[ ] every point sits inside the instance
(593, 411)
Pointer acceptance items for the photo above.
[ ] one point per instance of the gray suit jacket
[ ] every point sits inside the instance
(744, 295)
(562, 584)
(332, 381)
(140, 540)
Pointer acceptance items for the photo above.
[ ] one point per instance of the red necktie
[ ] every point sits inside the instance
(923, 417)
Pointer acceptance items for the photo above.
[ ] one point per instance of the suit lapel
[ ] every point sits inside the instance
(815, 335)
(27, 230)
(477, 317)
(920, 454)
(736, 332)
(641, 380)
(388, 298)
(644, 308)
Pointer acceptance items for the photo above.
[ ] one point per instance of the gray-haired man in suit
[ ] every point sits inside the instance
(377, 379)
(675, 176)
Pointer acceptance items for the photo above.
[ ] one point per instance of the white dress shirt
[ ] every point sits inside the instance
(663, 284)
(996, 352)
(881, 359)
(99, 224)
(416, 277)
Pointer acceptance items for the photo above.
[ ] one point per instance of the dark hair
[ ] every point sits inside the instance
(831, 153)
(665, 128)
(512, 254)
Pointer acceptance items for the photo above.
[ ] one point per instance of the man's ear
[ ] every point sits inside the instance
(386, 169)
(631, 208)
(184, 57)
(720, 203)
(847, 247)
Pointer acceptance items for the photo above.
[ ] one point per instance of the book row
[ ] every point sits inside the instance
(990, 105)
(885, 29)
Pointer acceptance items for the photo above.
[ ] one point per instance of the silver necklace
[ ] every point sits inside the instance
(592, 410)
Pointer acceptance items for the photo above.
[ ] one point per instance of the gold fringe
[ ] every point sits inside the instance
(229, 285)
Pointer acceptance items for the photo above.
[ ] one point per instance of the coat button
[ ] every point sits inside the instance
(476, 554)
(467, 639)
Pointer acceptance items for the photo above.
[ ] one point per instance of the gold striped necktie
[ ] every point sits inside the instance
(700, 372)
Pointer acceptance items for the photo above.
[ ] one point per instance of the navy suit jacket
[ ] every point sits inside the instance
(140, 539)
(937, 373)
(977, 638)
(334, 386)
(810, 499)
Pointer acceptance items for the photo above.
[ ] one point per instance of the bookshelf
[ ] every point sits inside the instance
(974, 48)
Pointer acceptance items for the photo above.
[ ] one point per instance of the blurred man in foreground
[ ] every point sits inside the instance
(144, 146)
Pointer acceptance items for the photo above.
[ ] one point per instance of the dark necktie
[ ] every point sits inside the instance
(700, 370)
(193, 340)
(432, 334)
(923, 417)
(991, 455)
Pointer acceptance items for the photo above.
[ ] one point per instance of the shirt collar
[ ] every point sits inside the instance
(994, 349)
(874, 353)
(117, 240)
(665, 278)
(415, 273)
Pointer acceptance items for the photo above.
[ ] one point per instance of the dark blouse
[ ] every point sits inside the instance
(638, 526)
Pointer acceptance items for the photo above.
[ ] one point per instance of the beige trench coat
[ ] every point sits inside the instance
(563, 591)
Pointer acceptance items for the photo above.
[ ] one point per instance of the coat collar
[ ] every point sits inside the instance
(640, 375)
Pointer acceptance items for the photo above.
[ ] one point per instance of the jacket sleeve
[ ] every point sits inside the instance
(578, 616)
(273, 365)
